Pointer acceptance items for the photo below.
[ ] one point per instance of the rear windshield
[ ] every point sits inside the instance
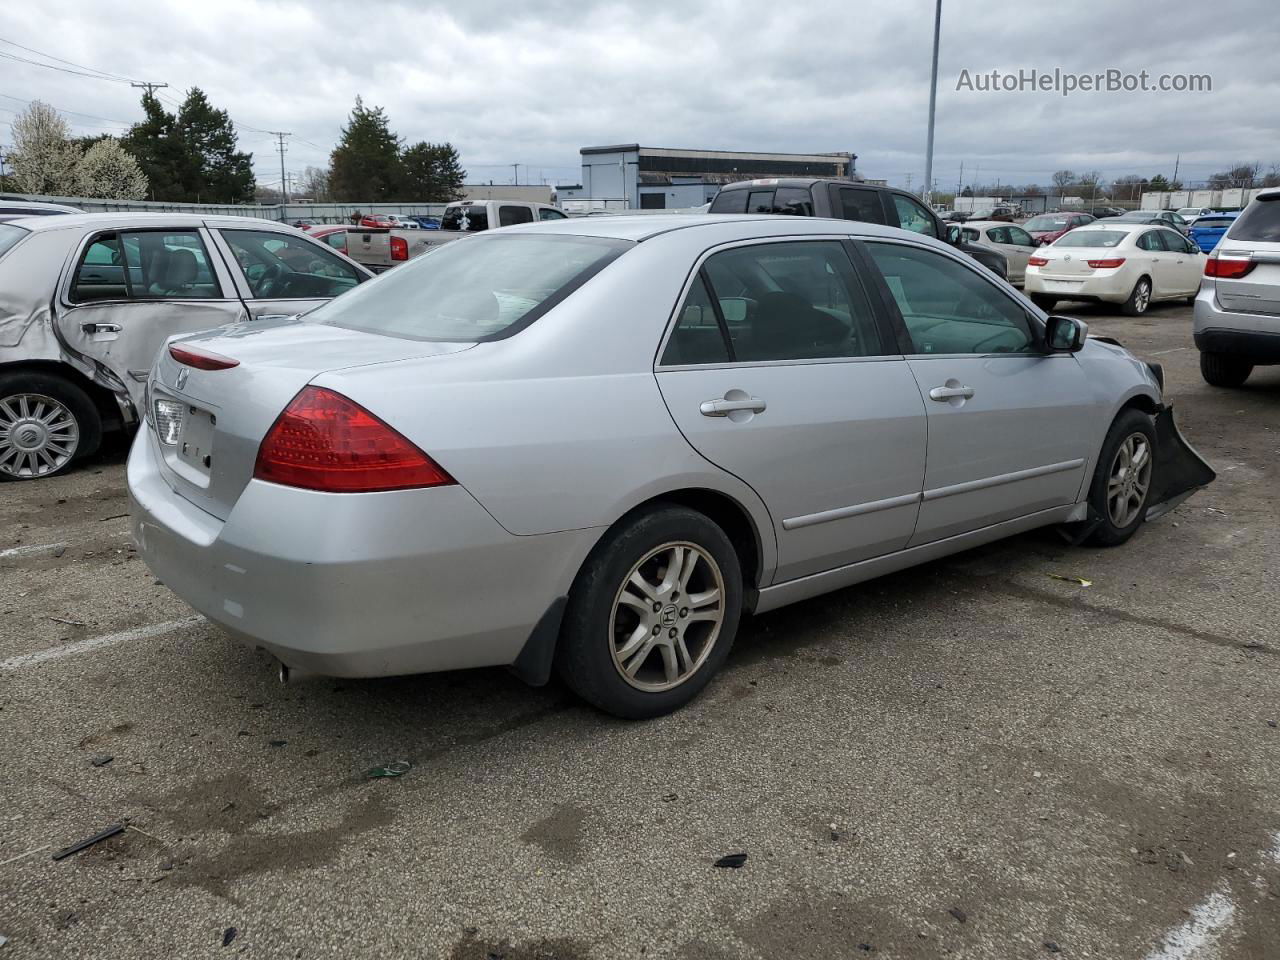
(1260, 221)
(1080, 237)
(1214, 221)
(484, 288)
(1045, 223)
(471, 219)
(9, 235)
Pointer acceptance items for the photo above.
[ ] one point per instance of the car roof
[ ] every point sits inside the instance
(641, 227)
(121, 220)
(43, 206)
(988, 223)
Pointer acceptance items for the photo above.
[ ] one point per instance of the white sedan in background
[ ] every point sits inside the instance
(1133, 266)
(1010, 239)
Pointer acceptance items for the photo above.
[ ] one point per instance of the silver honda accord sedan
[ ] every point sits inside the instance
(590, 446)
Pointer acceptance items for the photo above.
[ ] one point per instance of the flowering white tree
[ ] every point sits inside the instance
(43, 155)
(109, 172)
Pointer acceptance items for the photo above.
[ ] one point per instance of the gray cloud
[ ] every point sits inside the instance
(532, 83)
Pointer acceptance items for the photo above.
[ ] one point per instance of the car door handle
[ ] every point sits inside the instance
(943, 394)
(724, 407)
(92, 328)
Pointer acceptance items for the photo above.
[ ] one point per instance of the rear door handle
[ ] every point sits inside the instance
(943, 394)
(724, 407)
(92, 328)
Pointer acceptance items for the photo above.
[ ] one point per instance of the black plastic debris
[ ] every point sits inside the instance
(1052, 947)
(958, 914)
(228, 935)
(102, 760)
(111, 831)
(396, 769)
(731, 862)
(277, 743)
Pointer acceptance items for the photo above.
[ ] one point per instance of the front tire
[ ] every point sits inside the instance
(46, 423)
(652, 614)
(1139, 298)
(1122, 479)
(1224, 370)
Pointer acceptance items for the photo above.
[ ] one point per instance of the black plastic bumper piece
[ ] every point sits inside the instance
(536, 658)
(1253, 346)
(1179, 470)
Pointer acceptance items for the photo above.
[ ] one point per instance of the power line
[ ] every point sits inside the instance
(50, 66)
(49, 56)
(76, 113)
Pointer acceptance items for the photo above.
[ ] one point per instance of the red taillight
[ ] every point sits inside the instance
(202, 359)
(1228, 268)
(323, 441)
(1106, 263)
(1034, 261)
(399, 248)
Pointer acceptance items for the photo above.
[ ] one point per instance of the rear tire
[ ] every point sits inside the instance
(1139, 298)
(627, 658)
(1044, 303)
(1122, 479)
(46, 424)
(1224, 370)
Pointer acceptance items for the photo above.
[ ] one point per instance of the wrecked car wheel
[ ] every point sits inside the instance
(1121, 485)
(652, 614)
(45, 424)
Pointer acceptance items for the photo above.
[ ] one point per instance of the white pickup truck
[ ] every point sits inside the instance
(381, 248)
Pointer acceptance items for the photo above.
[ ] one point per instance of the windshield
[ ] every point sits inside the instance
(484, 288)
(1045, 223)
(9, 235)
(1091, 238)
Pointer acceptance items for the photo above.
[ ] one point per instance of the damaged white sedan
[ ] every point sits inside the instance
(87, 300)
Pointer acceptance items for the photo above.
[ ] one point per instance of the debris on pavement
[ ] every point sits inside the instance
(68, 621)
(111, 831)
(958, 914)
(277, 743)
(228, 935)
(1079, 581)
(1052, 947)
(396, 769)
(731, 862)
(101, 760)
(668, 797)
(23, 856)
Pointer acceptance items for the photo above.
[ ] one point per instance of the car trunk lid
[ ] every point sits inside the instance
(208, 424)
(1258, 291)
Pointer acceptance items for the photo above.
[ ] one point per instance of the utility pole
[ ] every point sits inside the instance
(1177, 161)
(933, 101)
(960, 182)
(151, 88)
(515, 174)
(908, 183)
(284, 180)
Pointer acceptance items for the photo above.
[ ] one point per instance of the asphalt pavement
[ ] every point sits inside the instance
(980, 758)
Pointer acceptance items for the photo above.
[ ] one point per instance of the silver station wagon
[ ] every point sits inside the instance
(592, 445)
(87, 300)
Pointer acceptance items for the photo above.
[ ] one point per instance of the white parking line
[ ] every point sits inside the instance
(1161, 353)
(94, 643)
(32, 549)
(1198, 935)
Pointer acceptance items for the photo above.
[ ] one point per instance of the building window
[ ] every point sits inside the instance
(653, 201)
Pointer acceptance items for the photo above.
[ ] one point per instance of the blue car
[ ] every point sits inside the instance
(428, 223)
(1207, 230)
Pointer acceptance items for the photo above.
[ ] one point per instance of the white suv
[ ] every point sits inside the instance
(1237, 312)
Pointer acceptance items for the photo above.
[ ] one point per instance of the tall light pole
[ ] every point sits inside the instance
(933, 103)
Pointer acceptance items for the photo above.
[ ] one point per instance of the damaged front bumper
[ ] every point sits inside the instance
(1179, 470)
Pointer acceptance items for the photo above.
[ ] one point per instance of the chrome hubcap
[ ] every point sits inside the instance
(1129, 479)
(1141, 297)
(667, 616)
(38, 435)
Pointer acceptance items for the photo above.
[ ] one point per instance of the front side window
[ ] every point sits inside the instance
(279, 266)
(912, 216)
(998, 235)
(145, 265)
(949, 308)
(545, 214)
(509, 216)
(480, 288)
(786, 301)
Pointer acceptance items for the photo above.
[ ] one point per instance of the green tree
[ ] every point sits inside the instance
(1159, 183)
(160, 150)
(43, 155)
(214, 170)
(432, 173)
(366, 165)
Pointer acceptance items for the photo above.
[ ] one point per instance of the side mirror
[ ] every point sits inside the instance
(1065, 334)
(953, 235)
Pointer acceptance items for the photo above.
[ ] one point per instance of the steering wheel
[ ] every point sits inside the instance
(272, 281)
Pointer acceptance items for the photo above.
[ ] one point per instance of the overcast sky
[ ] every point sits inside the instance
(532, 83)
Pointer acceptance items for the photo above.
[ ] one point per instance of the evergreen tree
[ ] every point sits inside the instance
(160, 150)
(432, 173)
(365, 165)
(215, 172)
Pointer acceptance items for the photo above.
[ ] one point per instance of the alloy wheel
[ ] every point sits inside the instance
(1142, 297)
(667, 616)
(38, 435)
(1129, 479)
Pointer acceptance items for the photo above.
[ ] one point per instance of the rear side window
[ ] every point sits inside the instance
(9, 236)
(1150, 242)
(760, 201)
(796, 201)
(145, 265)
(471, 219)
(730, 201)
(698, 336)
(863, 205)
(545, 214)
(480, 288)
(509, 216)
(1260, 221)
(279, 266)
(780, 301)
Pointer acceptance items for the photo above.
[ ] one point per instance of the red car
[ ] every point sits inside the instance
(335, 235)
(1048, 227)
(375, 220)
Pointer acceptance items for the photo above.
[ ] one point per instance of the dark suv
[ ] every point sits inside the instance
(850, 200)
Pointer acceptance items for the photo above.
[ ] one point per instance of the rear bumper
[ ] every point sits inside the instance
(353, 585)
(1251, 336)
(1112, 288)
